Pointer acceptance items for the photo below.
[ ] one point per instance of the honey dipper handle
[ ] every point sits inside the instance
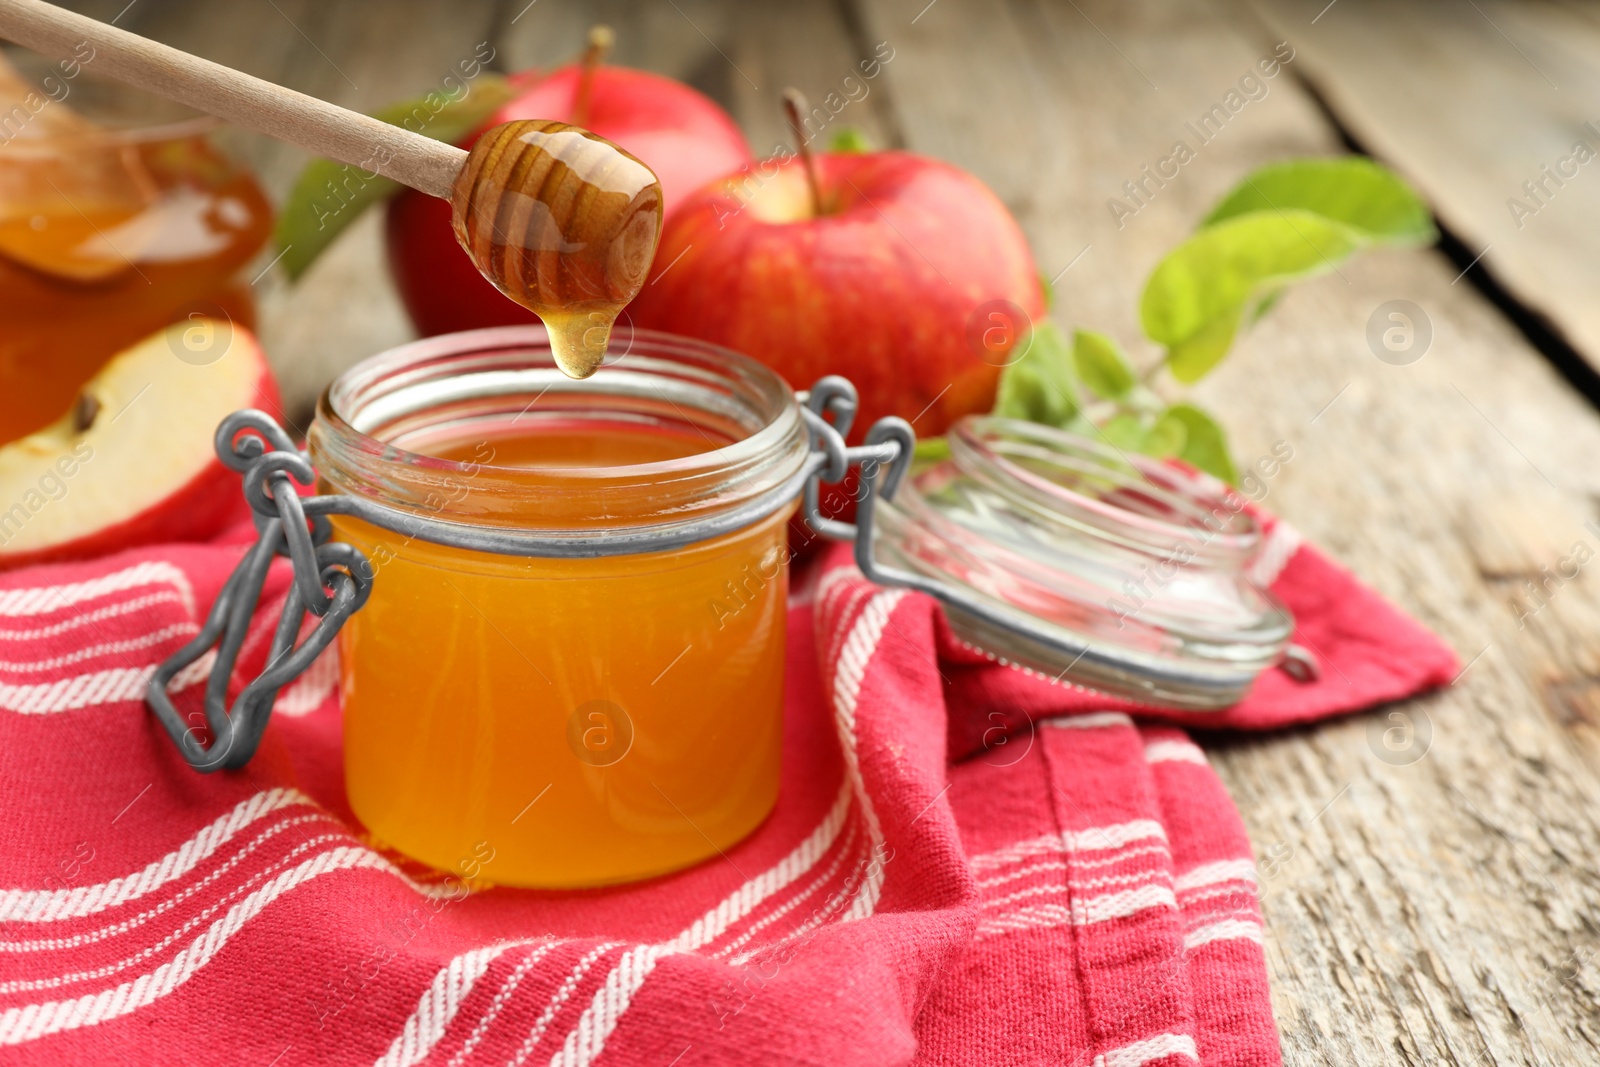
(409, 158)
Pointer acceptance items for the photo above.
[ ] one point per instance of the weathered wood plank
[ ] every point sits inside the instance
(1423, 912)
(1492, 109)
(741, 55)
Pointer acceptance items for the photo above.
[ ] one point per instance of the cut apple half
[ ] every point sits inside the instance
(132, 463)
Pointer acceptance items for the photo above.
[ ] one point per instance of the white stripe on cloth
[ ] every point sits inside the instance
(89, 618)
(1077, 887)
(1239, 897)
(847, 575)
(190, 889)
(1031, 917)
(1110, 906)
(1243, 870)
(1093, 721)
(1151, 1048)
(1031, 869)
(746, 898)
(856, 589)
(1084, 912)
(1227, 930)
(585, 1041)
(559, 1000)
(312, 688)
(829, 912)
(501, 998)
(112, 686)
(600, 1018)
(40, 600)
(1093, 839)
(439, 1004)
(792, 903)
(433, 892)
(32, 1021)
(702, 931)
(107, 648)
(849, 673)
(1175, 752)
(50, 905)
(1274, 555)
(1122, 856)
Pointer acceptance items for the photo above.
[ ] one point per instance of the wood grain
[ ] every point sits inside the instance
(1472, 102)
(1431, 912)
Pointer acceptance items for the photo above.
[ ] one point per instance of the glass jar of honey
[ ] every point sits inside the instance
(594, 717)
(106, 235)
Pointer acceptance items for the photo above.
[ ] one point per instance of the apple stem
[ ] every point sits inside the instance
(794, 106)
(600, 41)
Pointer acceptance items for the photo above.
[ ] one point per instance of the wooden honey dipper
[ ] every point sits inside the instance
(560, 220)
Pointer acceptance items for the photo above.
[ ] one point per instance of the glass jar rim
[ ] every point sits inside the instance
(476, 375)
(1178, 501)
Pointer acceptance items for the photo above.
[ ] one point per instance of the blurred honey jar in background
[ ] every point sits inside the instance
(113, 224)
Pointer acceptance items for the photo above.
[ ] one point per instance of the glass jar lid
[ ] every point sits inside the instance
(1122, 573)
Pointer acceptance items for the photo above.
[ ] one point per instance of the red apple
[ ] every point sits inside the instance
(680, 134)
(884, 285)
(133, 462)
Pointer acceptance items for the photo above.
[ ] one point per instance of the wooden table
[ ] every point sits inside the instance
(1434, 905)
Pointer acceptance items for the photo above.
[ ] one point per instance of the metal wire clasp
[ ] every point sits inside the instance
(883, 460)
(331, 581)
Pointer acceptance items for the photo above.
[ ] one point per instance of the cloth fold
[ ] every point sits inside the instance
(968, 864)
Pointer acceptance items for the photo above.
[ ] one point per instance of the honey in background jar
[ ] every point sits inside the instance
(105, 237)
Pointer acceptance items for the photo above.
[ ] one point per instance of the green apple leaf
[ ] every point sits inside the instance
(329, 196)
(1101, 365)
(1125, 432)
(849, 139)
(1263, 304)
(1040, 386)
(1167, 437)
(1205, 444)
(1354, 190)
(1197, 295)
(1192, 358)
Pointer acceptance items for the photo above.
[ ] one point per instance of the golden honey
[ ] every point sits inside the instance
(563, 222)
(591, 720)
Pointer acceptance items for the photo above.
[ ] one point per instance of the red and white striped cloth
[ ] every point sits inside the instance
(1082, 894)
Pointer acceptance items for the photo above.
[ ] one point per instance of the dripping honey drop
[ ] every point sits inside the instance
(563, 222)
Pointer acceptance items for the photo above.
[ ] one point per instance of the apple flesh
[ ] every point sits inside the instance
(680, 134)
(882, 286)
(133, 462)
